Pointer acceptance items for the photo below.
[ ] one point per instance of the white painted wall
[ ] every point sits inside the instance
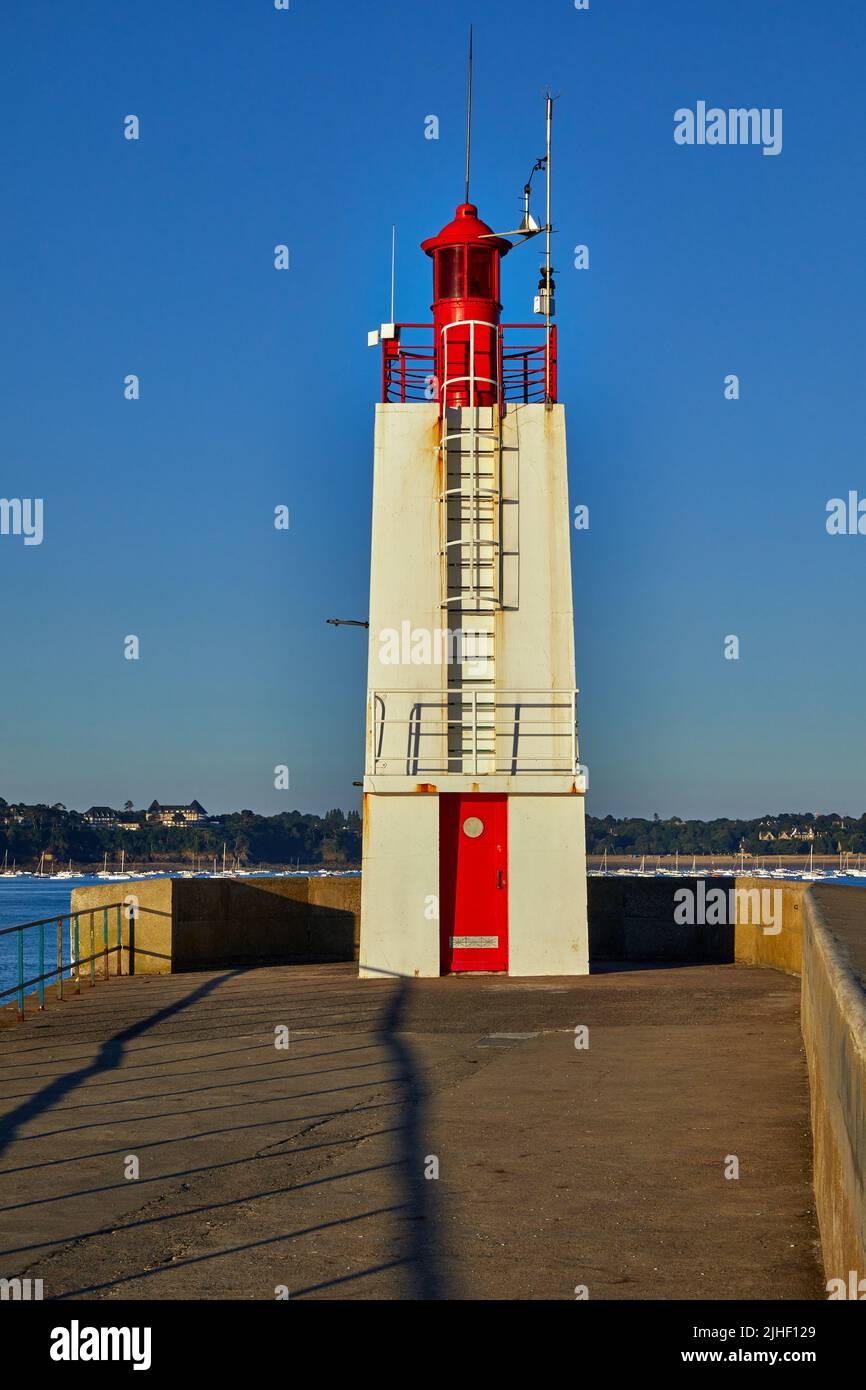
(534, 649)
(547, 922)
(405, 580)
(535, 637)
(400, 877)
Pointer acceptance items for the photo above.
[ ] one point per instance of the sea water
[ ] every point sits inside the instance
(30, 900)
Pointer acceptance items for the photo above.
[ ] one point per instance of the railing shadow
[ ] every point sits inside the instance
(109, 1057)
(405, 1227)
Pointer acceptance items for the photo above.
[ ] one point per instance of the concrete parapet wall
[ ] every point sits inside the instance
(243, 921)
(636, 919)
(189, 924)
(833, 1019)
(754, 943)
(150, 931)
(200, 924)
(633, 919)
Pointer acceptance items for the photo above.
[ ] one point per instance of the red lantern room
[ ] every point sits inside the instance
(466, 309)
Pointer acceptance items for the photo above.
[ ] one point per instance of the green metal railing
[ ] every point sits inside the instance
(76, 960)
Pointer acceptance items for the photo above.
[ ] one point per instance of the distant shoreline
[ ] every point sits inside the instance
(179, 866)
(594, 861)
(719, 861)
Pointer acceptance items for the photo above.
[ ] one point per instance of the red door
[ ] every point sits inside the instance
(473, 883)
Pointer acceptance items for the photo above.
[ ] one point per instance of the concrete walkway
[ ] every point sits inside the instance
(305, 1167)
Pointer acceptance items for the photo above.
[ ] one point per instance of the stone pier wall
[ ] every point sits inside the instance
(833, 1019)
(171, 925)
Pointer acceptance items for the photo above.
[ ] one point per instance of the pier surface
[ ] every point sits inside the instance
(268, 1171)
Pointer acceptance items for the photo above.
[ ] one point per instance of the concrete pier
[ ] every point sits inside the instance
(265, 1171)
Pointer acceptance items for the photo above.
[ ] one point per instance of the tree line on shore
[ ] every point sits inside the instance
(296, 837)
(785, 833)
(26, 832)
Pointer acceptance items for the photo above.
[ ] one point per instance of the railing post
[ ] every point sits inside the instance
(547, 358)
(42, 965)
(21, 977)
(92, 951)
(475, 732)
(105, 942)
(76, 974)
(500, 384)
(472, 363)
(119, 942)
(60, 958)
(443, 404)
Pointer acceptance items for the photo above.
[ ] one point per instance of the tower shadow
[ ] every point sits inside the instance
(420, 1200)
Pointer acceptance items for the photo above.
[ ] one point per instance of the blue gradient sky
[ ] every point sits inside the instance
(307, 127)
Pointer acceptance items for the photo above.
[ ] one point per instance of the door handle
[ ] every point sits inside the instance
(500, 879)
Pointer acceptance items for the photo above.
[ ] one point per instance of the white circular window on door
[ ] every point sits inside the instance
(473, 827)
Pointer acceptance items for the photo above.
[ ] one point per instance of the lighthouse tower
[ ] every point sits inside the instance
(473, 843)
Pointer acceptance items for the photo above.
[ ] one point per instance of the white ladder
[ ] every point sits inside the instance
(470, 519)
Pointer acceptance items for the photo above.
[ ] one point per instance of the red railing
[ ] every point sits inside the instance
(409, 368)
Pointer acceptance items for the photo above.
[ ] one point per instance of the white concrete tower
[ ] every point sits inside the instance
(473, 850)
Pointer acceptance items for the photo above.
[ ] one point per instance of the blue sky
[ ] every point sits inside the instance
(707, 516)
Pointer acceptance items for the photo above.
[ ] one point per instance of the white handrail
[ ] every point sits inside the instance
(419, 714)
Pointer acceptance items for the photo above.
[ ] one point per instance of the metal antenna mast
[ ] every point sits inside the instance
(469, 115)
(393, 257)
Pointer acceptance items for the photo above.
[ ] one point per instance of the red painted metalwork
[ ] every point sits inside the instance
(473, 881)
(466, 308)
(409, 369)
(523, 366)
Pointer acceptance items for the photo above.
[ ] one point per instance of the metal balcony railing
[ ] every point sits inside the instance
(66, 967)
(95, 950)
(472, 733)
(409, 367)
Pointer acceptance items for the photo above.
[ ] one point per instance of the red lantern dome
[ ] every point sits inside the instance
(466, 308)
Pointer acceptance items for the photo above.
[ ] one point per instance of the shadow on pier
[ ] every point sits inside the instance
(262, 1172)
